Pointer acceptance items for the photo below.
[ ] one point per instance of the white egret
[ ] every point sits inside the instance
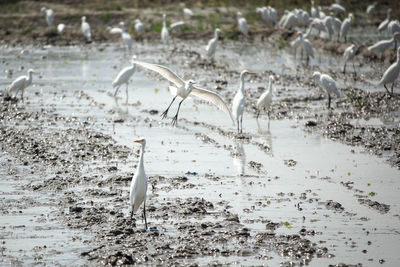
(60, 27)
(314, 11)
(138, 190)
(336, 9)
(290, 21)
(344, 29)
(384, 24)
(86, 30)
(383, 45)
(164, 31)
(305, 45)
(20, 84)
(139, 26)
(126, 37)
(336, 25)
(328, 84)
(391, 73)
(114, 30)
(49, 15)
(239, 102)
(264, 13)
(371, 7)
(212, 44)
(242, 22)
(349, 54)
(186, 11)
(394, 26)
(328, 22)
(265, 100)
(183, 89)
(123, 77)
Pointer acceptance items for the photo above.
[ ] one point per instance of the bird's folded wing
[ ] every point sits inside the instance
(115, 30)
(163, 71)
(176, 25)
(213, 98)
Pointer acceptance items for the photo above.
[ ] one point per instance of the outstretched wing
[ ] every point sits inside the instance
(163, 71)
(213, 98)
(176, 25)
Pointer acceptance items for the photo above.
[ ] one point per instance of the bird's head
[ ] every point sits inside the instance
(191, 83)
(141, 141)
(271, 78)
(137, 21)
(164, 16)
(217, 31)
(239, 15)
(134, 57)
(316, 75)
(30, 71)
(84, 18)
(122, 24)
(43, 9)
(244, 72)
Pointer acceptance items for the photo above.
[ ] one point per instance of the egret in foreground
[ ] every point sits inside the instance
(86, 30)
(212, 44)
(328, 84)
(239, 101)
(49, 15)
(391, 73)
(20, 84)
(138, 190)
(183, 89)
(265, 100)
(123, 77)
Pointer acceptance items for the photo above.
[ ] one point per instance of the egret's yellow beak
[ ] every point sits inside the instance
(137, 141)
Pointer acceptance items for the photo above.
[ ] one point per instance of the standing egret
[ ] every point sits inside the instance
(20, 84)
(344, 29)
(183, 89)
(305, 45)
(186, 11)
(242, 22)
(239, 102)
(314, 12)
(123, 77)
(86, 30)
(349, 54)
(265, 100)
(126, 37)
(328, 84)
(138, 191)
(212, 44)
(336, 25)
(49, 15)
(384, 24)
(164, 31)
(391, 73)
(383, 45)
(139, 26)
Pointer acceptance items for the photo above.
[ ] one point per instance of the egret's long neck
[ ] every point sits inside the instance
(270, 86)
(164, 23)
(241, 88)
(216, 35)
(141, 164)
(30, 77)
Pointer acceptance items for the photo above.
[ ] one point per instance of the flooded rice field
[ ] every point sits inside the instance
(309, 186)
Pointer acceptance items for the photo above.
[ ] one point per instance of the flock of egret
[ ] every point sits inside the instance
(296, 19)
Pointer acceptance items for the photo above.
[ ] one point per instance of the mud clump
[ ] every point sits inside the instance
(380, 207)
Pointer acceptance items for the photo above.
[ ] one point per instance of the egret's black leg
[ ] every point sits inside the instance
(144, 214)
(355, 72)
(344, 68)
(386, 88)
(175, 118)
(258, 114)
(329, 101)
(116, 90)
(392, 87)
(164, 114)
(241, 124)
(126, 92)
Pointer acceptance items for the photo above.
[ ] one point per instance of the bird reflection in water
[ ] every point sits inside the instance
(239, 156)
(266, 136)
(119, 114)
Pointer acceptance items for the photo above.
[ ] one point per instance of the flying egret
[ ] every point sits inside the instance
(212, 44)
(123, 77)
(384, 24)
(383, 45)
(86, 30)
(344, 29)
(49, 15)
(139, 26)
(183, 89)
(20, 84)
(126, 37)
(239, 102)
(328, 84)
(242, 22)
(60, 27)
(265, 100)
(164, 31)
(138, 191)
(391, 73)
(371, 7)
(349, 54)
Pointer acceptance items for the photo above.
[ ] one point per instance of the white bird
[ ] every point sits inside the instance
(328, 84)
(265, 100)
(138, 190)
(164, 31)
(86, 30)
(336, 9)
(394, 26)
(139, 27)
(391, 73)
(349, 54)
(212, 44)
(371, 7)
(305, 45)
(383, 45)
(239, 102)
(183, 89)
(336, 25)
(60, 27)
(242, 22)
(344, 29)
(314, 11)
(49, 15)
(328, 22)
(20, 84)
(384, 24)
(123, 77)
(186, 11)
(126, 37)
(114, 30)
(290, 21)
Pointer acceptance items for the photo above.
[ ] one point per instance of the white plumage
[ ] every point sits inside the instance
(164, 31)
(383, 45)
(391, 73)
(242, 24)
(49, 15)
(344, 29)
(336, 9)
(126, 37)
(349, 54)
(60, 27)
(86, 30)
(19, 84)
(239, 102)
(123, 77)
(328, 84)
(384, 24)
(183, 89)
(212, 44)
(265, 100)
(138, 189)
(186, 11)
(139, 27)
(394, 26)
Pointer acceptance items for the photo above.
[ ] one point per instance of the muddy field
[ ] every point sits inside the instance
(309, 186)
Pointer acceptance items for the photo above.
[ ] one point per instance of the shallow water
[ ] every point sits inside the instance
(273, 192)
